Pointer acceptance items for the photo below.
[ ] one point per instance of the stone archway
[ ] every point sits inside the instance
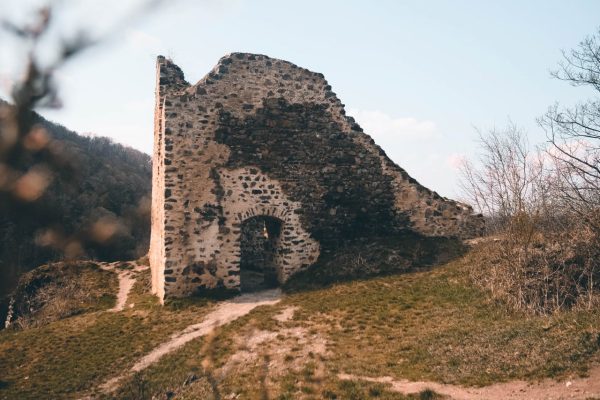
(259, 246)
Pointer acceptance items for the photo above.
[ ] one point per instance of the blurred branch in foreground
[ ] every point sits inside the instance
(63, 195)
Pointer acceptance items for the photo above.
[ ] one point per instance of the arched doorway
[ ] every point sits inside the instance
(259, 245)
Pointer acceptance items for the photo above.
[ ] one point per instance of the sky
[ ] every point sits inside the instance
(421, 77)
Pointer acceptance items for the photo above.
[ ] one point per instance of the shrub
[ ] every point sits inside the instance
(535, 269)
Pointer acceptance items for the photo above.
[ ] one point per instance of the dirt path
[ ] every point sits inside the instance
(578, 388)
(126, 281)
(224, 313)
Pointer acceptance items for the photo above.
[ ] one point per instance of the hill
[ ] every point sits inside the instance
(95, 207)
(383, 337)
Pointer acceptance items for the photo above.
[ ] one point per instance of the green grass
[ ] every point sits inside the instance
(435, 326)
(171, 374)
(430, 325)
(70, 356)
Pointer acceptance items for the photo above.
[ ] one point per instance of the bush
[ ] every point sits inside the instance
(543, 202)
(533, 268)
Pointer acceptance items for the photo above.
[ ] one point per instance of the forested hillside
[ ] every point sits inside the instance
(95, 204)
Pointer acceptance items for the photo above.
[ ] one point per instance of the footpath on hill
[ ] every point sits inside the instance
(226, 312)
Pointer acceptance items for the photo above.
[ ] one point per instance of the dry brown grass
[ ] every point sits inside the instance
(540, 269)
(59, 290)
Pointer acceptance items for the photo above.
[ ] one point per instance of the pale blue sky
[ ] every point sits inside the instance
(418, 75)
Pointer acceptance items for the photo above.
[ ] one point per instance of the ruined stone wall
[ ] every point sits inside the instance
(260, 136)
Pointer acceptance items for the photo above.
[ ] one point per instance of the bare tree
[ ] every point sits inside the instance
(545, 260)
(508, 179)
(574, 133)
(544, 202)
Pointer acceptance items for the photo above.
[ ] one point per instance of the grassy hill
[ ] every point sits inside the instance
(430, 325)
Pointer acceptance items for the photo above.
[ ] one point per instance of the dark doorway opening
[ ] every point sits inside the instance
(259, 244)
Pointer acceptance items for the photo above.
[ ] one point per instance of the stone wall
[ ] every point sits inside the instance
(262, 137)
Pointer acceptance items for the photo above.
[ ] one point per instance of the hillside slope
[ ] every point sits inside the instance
(355, 340)
(96, 182)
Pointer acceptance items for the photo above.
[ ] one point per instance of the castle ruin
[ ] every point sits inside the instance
(257, 170)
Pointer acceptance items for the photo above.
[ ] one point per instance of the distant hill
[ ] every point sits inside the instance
(97, 205)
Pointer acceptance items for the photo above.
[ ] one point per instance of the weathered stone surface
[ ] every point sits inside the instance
(262, 137)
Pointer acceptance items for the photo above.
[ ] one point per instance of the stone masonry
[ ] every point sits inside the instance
(261, 137)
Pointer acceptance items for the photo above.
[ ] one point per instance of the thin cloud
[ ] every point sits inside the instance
(414, 144)
(379, 124)
(456, 160)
